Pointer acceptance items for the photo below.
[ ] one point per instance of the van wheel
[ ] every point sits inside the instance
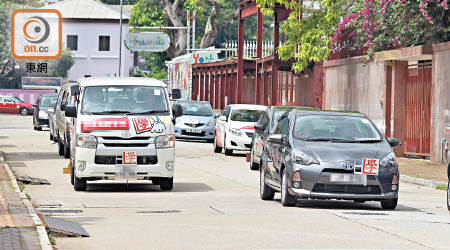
(166, 184)
(23, 111)
(389, 204)
(217, 149)
(60, 147)
(66, 151)
(79, 184)
(51, 136)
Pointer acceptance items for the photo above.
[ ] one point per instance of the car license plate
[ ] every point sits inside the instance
(194, 130)
(349, 178)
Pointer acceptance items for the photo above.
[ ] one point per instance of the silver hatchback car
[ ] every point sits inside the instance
(329, 155)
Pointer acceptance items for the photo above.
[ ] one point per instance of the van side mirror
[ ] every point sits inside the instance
(75, 90)
(71, 111)
(393, 142)
(176, 93)
(177, 110)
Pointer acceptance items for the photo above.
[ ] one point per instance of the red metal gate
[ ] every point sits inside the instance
(418, 110)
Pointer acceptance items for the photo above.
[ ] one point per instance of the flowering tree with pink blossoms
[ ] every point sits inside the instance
(371, 24)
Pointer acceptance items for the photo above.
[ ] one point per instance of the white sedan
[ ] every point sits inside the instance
(234, 129)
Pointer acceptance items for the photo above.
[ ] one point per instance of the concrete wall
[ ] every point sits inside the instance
(88, 59)
(349, 85)
(440, 113)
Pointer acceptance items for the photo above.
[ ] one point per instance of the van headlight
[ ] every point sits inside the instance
(165, 141)
(87, 141)
(43, 115)
(303, 159)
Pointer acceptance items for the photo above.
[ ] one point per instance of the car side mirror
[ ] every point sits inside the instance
(176, 93)
(222, 118)
(393, 142)
(259, 127)
(177, 110)
(217, 115)
(276, 138)
(63, 107)
(70, 111)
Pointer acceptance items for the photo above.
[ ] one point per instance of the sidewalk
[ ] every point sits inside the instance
(18, 229)
(422, 172)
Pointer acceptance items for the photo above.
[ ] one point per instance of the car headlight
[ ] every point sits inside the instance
(211, 123)
(301, 158)
(389, 163)
(43, 115)
(388, 160)
(165, 141)
(235, 132)
(87, 141)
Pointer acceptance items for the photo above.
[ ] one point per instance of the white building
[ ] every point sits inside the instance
(91, 31)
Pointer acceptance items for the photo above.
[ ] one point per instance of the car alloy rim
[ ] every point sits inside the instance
(24, 111)
(261, 180)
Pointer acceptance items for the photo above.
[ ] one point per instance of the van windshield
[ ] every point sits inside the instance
(104, 100)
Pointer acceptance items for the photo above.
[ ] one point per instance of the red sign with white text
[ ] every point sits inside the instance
(370, 166)
(105, 124)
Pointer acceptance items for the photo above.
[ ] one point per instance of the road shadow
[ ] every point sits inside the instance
(7, 146)
(31, 156)
(178, 187)
(17, 164)
(347, 205)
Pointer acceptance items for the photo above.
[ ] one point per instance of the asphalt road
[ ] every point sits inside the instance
(215, 204)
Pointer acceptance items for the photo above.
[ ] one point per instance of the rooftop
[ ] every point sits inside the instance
(86, 9)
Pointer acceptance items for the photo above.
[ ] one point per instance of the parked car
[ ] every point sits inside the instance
(197, 122)
(10, 104)
(52, 125)
(264, 128)
(63, 123)
(43, 106)
(329, 155)
(123, 130)
(234, 129)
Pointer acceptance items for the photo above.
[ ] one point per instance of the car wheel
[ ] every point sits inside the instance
(265, 192)
(389, 204)
(166, 184)
(217, 149)
(448, 195)
(39, 129)
(51, 137)
(79, 184)
(287, 199)
(60, 147)
(210, 141)
(253, 165)
(227, 151)
(23, 111)
(72, 174)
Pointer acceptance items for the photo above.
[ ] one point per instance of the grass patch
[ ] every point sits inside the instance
(21, 185)
(441, 187)
(52, 240)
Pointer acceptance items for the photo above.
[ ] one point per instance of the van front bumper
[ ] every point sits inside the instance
(87, 167)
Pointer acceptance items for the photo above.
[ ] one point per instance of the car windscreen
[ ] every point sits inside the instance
(48, 101)
(104, 100)
(246, 115)
(196, 108)
(335, 128)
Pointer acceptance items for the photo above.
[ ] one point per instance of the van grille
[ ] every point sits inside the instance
(113, 160)
(126, 145)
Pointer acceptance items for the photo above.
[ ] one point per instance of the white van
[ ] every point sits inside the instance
(123, 129)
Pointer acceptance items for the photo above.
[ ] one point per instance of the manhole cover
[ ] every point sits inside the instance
(158, 212)
(66, 227)
(60, 211)
(364, 213)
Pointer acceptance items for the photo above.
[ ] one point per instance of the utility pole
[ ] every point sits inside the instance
(120, 39)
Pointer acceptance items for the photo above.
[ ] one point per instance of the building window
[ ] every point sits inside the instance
(103, 43)
(72, 42)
